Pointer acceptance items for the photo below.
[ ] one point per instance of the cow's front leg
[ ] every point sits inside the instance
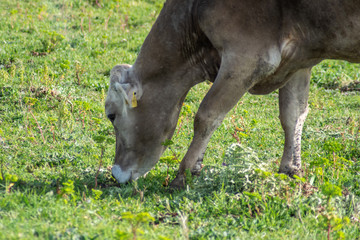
(230, 85)
(293, 103)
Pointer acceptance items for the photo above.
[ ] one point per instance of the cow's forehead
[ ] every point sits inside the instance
(115, 95)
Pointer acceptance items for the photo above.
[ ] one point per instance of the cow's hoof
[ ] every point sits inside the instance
(196, 171)
(292, 171)
(179, 182)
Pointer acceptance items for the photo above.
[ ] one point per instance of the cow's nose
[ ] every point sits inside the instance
(111, 117)
(120, 175)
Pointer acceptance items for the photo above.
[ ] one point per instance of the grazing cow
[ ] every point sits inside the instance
(241, 46)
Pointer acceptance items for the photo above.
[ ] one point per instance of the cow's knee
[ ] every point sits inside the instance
(206, 120)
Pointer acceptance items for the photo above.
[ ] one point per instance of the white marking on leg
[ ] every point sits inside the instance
(297, 141)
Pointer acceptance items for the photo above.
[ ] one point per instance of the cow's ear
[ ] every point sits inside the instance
(124, 80)
(133, 94)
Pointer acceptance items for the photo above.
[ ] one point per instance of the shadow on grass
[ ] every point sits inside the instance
(212, 179)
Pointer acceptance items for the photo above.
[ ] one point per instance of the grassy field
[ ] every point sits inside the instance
(57, 147)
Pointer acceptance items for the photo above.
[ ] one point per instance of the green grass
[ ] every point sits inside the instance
(55, 59)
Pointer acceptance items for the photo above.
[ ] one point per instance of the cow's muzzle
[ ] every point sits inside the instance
(120, 175)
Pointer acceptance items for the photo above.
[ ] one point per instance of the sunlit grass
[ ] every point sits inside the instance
(55, 59)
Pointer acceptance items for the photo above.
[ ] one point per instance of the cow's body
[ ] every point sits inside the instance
(240, 45)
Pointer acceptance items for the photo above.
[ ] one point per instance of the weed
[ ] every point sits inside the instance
(135, 220)
(329, 220)
(51, 40)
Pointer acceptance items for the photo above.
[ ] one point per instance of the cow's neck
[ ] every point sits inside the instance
(159, 54)
(170, 62)
(174, 50)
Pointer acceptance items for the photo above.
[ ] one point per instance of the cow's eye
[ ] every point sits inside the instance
(111, 117)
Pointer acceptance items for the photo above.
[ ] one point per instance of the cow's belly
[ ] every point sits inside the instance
(270, 84)
(281, 76)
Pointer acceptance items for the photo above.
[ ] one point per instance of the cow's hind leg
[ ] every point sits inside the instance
(293, 103)
(235, 77)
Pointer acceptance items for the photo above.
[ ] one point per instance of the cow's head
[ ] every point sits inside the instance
(142, 120)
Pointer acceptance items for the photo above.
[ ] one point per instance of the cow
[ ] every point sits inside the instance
(239, 45)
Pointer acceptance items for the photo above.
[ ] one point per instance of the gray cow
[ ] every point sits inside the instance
(241, 46)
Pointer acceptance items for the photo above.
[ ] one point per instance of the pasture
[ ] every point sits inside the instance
(57, 147)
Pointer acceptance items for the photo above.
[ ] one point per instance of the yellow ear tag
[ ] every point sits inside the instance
(133, 100)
